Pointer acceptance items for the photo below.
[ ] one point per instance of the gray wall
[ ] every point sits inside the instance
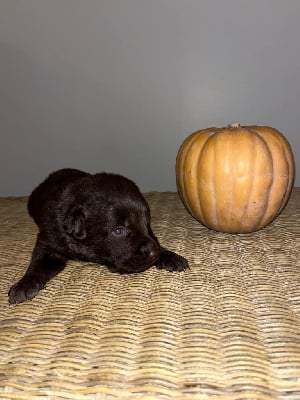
(117, 85)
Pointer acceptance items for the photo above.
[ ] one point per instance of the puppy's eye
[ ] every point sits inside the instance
(120, 231)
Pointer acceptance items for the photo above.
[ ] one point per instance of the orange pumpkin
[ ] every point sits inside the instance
(235, 179)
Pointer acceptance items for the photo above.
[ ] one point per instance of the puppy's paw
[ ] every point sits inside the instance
(171, 261)
(26, 289)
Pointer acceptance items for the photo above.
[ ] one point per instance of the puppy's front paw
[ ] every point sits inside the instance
(26, 289)
(171, 261)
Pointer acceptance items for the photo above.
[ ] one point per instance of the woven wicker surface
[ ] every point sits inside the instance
(228, 328)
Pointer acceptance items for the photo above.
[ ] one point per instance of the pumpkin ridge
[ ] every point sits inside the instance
(290, 167)
(245, 213)
(188, 190)
(220, 222)
(287, 191)
(212, 217)
(270, 191)
(183, 149)
(181, 157)
(217, 221)
(200, 211)
(198, 184)
(265, 214)
(206, 135)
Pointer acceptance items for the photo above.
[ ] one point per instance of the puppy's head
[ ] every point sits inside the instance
(108, 222)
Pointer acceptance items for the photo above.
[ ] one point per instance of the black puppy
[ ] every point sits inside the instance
(101, 218)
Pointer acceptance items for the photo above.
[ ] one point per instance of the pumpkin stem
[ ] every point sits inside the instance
(234, 124)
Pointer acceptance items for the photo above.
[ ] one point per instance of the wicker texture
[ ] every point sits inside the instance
(228, 328)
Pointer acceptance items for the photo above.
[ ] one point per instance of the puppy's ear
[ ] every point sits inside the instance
(74, 223)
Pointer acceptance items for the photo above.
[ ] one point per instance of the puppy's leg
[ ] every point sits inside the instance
(44, 265)
(171, 261)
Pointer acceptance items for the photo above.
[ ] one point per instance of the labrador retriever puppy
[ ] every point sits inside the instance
(101, 218)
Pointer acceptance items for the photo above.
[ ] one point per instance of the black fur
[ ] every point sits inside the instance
(101, 218)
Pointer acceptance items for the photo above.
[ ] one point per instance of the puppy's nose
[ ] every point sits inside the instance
(149, 249)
